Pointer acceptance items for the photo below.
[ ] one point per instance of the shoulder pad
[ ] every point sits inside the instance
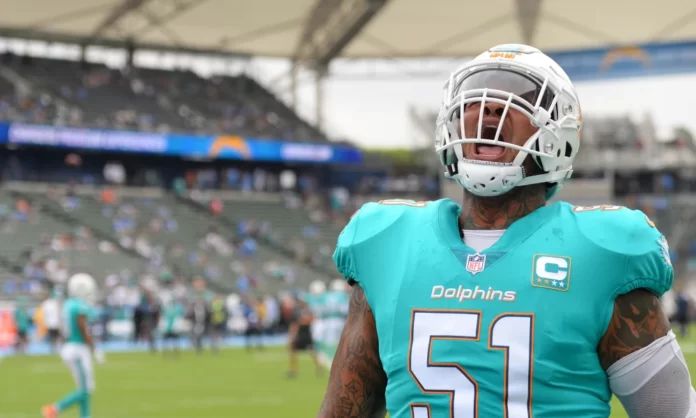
(366, 228)
(632, 234)
(617, 228)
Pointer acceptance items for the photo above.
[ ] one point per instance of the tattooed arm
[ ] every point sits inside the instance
(638, 320)
(357, 381)
(644, 364)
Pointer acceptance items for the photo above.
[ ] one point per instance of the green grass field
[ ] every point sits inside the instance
(234, 383)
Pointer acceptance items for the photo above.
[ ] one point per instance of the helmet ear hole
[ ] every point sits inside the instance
(452, 169)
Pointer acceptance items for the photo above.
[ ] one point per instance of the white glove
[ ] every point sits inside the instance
(99, 356)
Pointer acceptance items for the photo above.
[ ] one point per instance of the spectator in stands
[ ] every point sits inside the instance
(108, 196)
(22, 210)
(35, 271)
(216, 207)
(179, 186)
(248, 247)
(243, 284)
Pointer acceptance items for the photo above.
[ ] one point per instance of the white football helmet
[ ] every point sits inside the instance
(338, 285)
(233, 301)
(82, 286)
(317, 287)
(517, 77)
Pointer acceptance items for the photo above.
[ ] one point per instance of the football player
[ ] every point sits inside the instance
(173, 313)
(505, 306)
(79, 346)
(335, 312)
(300, 338)
(316, 301)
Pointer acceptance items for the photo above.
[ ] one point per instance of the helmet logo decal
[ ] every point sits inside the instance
(506, 55)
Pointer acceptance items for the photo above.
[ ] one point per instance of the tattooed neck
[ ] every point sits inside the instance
(498, 212)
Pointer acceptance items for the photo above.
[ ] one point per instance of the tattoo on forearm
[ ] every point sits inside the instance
(357, 381)
(638, 320)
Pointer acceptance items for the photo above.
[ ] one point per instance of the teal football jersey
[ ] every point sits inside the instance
(172, 312)
(72, 309)
(511, 331)
(335, 304)
(315, 303)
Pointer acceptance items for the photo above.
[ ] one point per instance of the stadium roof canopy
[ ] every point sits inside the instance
(319, 30)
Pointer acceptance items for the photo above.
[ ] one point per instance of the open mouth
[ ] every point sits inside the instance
(489, 152)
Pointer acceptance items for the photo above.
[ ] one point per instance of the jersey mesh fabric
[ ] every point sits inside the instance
(667, 394)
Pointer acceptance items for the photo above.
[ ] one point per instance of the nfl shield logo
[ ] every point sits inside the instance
(475, 263)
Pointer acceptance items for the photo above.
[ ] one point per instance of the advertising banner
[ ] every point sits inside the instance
(193, 146)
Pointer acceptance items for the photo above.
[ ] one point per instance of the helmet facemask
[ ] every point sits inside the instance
(514, 87)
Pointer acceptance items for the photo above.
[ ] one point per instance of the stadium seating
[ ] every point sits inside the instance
(93, 95)
(147, 232)
(33, 240)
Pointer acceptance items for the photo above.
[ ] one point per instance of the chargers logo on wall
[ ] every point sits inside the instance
(551, 272)
(233, 145)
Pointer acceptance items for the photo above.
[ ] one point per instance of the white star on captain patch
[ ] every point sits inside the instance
(554, 283)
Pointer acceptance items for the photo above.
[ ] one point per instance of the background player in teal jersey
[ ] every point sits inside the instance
(506, 306)
(23, 323)
(335, 311)
(173, 313)
(79, 347)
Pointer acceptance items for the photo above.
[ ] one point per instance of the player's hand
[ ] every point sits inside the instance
(99, 356)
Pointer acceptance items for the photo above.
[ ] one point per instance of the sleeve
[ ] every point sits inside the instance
(648, 262)
(343, 255)
(83, 309)
(654, 381)
(372, 236)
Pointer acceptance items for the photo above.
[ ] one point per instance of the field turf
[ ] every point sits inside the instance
(233, 383)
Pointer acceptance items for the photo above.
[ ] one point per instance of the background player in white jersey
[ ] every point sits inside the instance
(51, 315)
(315, 301)
(79, 346)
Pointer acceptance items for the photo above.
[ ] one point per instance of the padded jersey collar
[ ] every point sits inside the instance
(447, 227)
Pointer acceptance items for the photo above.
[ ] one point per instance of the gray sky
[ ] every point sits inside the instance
(370, 108)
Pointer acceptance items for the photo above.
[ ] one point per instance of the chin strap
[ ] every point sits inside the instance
(494, 179)
(554, 177)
